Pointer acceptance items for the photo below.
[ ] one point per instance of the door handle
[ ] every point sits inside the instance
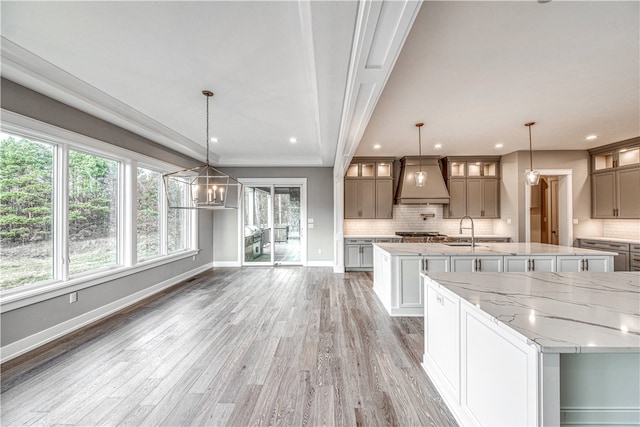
(533, 265)
(586, 263)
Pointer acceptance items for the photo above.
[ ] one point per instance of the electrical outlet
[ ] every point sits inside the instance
(73, 297)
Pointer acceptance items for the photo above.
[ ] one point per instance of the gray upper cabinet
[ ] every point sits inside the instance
(615, 180)
(384, 198)
(474, 186)
(368, 188)
(360, 198)
(457, 207)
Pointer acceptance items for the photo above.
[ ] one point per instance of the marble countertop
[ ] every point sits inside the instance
(478, 236)
(558, 312)
(610, 239)
(485, 249)
(373, 236)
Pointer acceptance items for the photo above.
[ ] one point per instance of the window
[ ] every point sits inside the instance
(93, 212)
(65, 214)
(178, 219)
(26, 211)
(149, 190)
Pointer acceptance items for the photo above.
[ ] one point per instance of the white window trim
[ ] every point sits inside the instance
(64, 140)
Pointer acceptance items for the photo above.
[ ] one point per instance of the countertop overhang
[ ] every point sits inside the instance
(557, 312)
(427, 249)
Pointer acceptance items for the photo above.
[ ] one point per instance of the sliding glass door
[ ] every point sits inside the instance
(273, 224)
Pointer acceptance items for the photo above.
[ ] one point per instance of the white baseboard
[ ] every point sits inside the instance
(599, 416)
(36, 340)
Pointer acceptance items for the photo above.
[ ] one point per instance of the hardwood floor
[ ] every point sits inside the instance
(252, 346)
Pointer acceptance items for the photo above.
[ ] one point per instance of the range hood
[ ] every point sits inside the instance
(434, 191)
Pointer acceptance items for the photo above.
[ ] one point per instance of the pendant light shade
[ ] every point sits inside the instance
(202, 187)
(420, 176)
(532, 176)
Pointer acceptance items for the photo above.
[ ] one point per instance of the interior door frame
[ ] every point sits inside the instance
(565, 205)
(275, 182)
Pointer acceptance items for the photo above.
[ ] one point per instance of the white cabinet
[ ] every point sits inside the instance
(576, 263)
(487, 373)
(525, 263)
(499, 372)
(442, 336)
(480, 263)
(407, 271)
(358, 253)
(397, 281)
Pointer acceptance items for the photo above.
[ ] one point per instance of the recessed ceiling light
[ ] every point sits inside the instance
(293, 140)
(214, 139)
(376, 146)
(499, 145)
(438, 146)
(591, 137)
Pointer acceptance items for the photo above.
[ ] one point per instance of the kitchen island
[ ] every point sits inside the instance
(396, 266)
(535, 349)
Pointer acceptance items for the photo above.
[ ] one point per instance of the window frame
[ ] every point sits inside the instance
(63, 141)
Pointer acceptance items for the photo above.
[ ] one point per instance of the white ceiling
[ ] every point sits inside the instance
(474, 72)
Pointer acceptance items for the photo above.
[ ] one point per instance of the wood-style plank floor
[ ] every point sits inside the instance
(238, 347)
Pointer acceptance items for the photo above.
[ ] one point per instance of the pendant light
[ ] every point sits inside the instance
(202, 187)
(532, 176)
(421, 176)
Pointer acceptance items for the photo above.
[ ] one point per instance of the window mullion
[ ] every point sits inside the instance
(164, 219)
(61, 213)
(128, 234)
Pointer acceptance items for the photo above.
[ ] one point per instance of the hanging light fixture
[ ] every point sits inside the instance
(202, 187)
(532, 176)
(421, 176)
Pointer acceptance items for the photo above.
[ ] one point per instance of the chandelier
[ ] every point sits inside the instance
(202, 187)
(532, 176)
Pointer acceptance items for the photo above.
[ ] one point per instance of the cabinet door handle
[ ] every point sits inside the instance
(528, 265)
(426, 264)
(533, 265)
(586, 263)
(581, 265)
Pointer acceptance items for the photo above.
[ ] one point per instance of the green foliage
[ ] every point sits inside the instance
(26, 193)
(25, 190)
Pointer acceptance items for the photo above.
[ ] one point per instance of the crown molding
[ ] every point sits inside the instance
(29, 70)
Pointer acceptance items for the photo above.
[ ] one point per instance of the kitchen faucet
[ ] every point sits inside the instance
(473, 239)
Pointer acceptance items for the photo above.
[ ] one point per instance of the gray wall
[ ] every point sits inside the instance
(23, 322)
(512, 196)
(319, 207)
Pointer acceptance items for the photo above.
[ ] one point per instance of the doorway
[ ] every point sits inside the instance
(543, 211)
(564, 212)
(273, 215)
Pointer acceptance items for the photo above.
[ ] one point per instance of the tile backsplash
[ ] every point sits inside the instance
(621, 228)
(407, 218)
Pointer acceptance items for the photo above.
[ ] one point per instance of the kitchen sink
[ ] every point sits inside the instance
(475, 245)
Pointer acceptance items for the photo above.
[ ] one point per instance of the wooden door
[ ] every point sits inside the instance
(553, 211)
